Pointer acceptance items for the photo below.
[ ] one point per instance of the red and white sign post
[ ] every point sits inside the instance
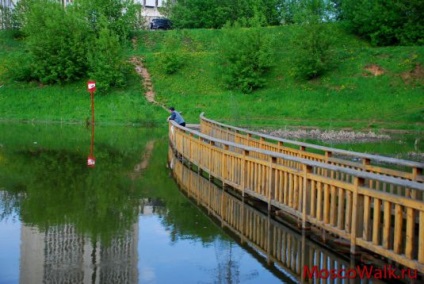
(91, 160)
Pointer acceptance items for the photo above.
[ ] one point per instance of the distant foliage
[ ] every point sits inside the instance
(171, 58)
(386, 22)
(106, 64)
(312, 41)
(120, 16)
(171, 62)
(215, 14)
(299, 11)
(312, 57)
(83, 40)
(56, 41)
(245, 56)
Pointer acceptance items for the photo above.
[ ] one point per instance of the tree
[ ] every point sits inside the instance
(57, 42)
(386, 22)
(68, 44)
(215, 14)
(245, 56)
(311, 57)
(106, 64)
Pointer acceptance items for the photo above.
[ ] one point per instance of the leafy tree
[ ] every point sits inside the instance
(386, 22)
(68, 44)
(215, 14)
(172, 56)
(311, 56)
(245, 56)
(56, 40)
(120, 16)
(6, 18)
(106, 63)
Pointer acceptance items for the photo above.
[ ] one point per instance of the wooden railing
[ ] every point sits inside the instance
(388, 224)
(359, 161)
(275, 243)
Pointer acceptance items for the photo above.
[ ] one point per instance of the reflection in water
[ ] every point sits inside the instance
(287, 252)
(62, 255)
(91, 160)
(77, 226)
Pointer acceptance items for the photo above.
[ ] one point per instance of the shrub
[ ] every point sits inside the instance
(311, 56)
(106, 61)
(56, 41)
(171, 62)
(171, 58)
(245, 56)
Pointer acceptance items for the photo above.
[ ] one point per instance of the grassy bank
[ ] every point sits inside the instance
(351, 95)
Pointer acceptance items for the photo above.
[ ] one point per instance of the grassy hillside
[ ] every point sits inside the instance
(348, 96)
(368, 87)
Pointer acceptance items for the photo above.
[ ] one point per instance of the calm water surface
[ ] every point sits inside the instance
(123, 221)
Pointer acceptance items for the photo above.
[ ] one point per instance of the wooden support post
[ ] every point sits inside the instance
(328, 155)
(224, 166)
(271, 181)
(366, 162)
(421, 238)
(306, 195)
(212, 143)
(248, 137)
(358, 214)
(244, 172)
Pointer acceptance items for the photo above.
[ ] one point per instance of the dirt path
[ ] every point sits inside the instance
(147, 82)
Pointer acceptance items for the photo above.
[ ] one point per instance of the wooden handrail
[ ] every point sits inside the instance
(349, 208)
(414, 169)
(277, 243)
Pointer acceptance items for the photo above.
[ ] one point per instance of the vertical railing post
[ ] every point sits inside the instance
(366, 162)
(271, 181)
(418, 195)
(328, 155)
(224, 165)
(307, 170)
(212, 143)
(421, 237)
(244, 172)
(248, 136)
(357, 214)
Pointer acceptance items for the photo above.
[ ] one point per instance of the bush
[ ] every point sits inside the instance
(245, 56)
(171, 62)
(311, 57)
(171, 59)
(56, 41)
(106, 63)
(386, 22)
(67, 45)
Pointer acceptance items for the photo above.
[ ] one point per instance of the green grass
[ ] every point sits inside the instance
(346, 97)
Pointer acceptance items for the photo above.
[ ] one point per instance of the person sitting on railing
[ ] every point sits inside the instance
(175, 115)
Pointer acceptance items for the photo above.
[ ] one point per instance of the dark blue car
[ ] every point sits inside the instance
(160, 24)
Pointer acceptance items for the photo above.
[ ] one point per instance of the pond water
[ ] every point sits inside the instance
(124, 220)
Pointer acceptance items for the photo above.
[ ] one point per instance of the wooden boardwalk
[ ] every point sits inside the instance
(374, 204)
(274, 244)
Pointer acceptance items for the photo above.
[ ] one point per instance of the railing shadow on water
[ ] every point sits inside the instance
(290, 254)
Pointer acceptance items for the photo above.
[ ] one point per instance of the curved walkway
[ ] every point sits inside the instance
(346, 203)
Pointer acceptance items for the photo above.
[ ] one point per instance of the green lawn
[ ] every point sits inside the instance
(347, 96)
